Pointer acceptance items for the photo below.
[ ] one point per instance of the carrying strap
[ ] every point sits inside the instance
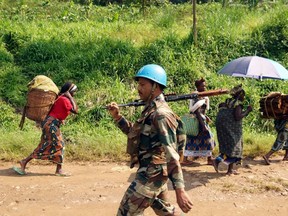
(22, 118)
(271, 107)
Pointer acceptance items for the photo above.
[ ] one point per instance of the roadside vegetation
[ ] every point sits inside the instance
(100, 48)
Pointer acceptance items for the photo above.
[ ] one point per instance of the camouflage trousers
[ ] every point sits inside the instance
(138, 197)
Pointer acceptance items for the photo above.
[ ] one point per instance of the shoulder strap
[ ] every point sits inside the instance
(22, 118)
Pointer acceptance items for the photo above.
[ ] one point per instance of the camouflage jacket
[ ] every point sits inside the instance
(157, 144)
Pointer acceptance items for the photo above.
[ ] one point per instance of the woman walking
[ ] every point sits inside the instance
(51, 146)
(202, 144)
(281, 141)
(229, 129)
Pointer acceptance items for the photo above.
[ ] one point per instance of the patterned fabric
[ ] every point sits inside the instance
(201, 145)
(236, 91)
(231, 103)
(157, 154)
(181, 136)
(51, 146)
(281, 142)
(193, 101)
(228, 160)
(134, 203)
(229, 132)
(280, 124)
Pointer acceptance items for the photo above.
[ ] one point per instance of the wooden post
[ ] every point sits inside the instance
(194, 22)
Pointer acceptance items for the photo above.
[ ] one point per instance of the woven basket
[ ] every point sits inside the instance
(39, 103)
(191, 124)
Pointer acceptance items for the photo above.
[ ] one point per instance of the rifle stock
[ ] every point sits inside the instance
(174, 97)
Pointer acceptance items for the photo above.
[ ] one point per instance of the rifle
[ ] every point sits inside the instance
(174, 97)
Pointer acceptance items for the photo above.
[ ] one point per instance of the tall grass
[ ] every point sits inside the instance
(101, 48)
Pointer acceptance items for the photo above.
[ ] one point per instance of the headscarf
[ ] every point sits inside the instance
(68, 86)
(237, 91)
(74, 88)
(197, 105)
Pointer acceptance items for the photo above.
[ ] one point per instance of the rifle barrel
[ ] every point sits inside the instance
(138, 103)
(174, 97)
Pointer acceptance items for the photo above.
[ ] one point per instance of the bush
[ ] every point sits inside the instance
(101, 49)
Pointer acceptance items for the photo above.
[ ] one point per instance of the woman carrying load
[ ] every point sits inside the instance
(229, 129)
(51, 146)
(203, 143)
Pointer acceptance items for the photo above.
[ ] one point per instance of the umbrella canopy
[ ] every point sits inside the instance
(255, 67)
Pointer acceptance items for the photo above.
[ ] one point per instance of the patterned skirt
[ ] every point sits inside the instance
(51, 146)
(229, 134)
(201, 145)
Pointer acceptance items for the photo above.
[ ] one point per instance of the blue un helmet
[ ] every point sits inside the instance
(153, 72)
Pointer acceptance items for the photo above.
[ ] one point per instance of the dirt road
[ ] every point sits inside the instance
(97, 188)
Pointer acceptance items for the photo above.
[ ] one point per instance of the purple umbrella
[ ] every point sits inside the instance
(255, 67)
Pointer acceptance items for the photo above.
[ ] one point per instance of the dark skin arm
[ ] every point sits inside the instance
(240, 114)
(73, 102)
(200, 119)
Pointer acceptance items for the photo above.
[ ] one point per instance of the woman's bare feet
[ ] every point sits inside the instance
(232, 172)
(186, 162)
(59, 171)
(22, 165)
(266, 159)
(210, 161)
(63, 174)
(286, 155)
(215, 165)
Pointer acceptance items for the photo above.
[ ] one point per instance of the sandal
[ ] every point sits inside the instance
(267, 161)
(19, 170)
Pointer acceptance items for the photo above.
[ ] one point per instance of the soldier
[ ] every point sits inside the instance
(156, 141)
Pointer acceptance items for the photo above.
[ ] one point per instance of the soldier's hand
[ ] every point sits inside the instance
(183, 200)
(114, 111)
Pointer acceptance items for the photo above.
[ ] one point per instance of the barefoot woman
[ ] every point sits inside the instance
(229, 129)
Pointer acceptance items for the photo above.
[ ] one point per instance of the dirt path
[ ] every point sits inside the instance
(96, 189)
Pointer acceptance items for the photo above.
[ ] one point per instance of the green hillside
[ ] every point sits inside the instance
(101, 48)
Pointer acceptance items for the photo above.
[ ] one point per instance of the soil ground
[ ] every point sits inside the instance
(97, 188)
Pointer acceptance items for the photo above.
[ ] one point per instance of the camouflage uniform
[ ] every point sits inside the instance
(156, 144)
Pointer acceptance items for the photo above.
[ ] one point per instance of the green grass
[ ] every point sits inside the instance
(101, 48)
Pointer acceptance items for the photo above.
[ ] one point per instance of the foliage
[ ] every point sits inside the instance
(101, 48)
